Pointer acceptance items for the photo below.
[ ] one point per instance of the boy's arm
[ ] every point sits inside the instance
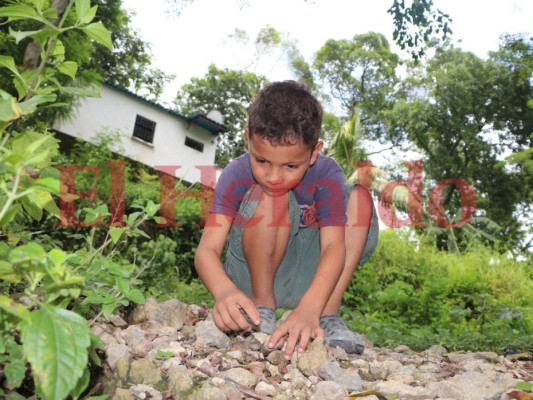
(304, 322)
(230, 302)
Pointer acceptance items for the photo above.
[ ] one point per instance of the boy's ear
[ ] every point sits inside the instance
(316, 150)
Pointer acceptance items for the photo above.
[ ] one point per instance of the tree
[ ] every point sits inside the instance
(128, 64)
(359, 73)
(415, 25)
(450, 112)
(228, 91)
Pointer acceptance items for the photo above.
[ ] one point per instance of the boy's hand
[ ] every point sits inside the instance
(298, 329)
(230, 310)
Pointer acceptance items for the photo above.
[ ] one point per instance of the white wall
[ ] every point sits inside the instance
(117, 111)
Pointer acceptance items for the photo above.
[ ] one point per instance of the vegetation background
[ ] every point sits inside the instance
(467, 287)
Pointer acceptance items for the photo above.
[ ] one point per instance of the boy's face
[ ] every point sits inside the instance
(279, 168)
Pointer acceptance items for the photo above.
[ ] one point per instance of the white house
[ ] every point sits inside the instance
(149, 132)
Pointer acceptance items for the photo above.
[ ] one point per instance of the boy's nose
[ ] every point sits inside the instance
(274, 179)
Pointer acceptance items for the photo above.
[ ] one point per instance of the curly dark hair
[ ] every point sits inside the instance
(285, 113)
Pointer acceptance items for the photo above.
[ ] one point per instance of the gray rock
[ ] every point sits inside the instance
(106, 337)
(115, 352)
(208, 335)
(122, 369)
(473, 385)
(145, 392)
(240, 375)
(436, 351)
(153, 315)
(139, 341)
(403, 391)
(144, 371)
(179, 378)
(349, 379)
(313, 358)
(117, 321)
(207, 392)
(122, 394)
(329, 390)
(265, 389)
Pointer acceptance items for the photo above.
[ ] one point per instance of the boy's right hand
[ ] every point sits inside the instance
(230, 310)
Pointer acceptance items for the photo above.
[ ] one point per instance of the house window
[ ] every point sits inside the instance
(194, 144)
(144, 129)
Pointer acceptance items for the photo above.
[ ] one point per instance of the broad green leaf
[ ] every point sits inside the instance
(99, 33)
(39, 147)
(21, 86)
(15, 372)
(525, 386)
(82, 384)
(122, 285)
(59, 51)
(12, 307)
(49, 13)
(116, 233)
(89, 16)
(136, 296)
(163, 355)
(57, 256)
(79, 91)
(50, 183)
(44, 200)
(56, 343)
(68, 68)
(39, 4)
(82, 8)
(21, 35)
(22, 11)
(27, 252)
(9, 63)
(84, 12)
(117, 269)
(8, 273)
(11, 212)
(108, 308)
(33, 210)
(151, 208)
(29, 106)
(6, 109)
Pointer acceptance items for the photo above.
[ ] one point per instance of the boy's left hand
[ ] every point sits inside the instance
(298, 329)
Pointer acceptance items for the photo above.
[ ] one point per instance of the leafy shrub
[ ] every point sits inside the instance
(410, 293)
(43, 282)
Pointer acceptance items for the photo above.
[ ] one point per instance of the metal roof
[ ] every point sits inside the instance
(196, 118)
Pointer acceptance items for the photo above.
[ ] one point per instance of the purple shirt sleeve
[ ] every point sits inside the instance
(232, 185)
(329, 199)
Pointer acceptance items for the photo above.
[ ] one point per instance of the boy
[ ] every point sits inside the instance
(294, 234)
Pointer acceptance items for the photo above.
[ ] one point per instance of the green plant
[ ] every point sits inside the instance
(43, 284)
(411, 293)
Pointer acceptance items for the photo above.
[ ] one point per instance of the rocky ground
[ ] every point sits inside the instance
(171, 350)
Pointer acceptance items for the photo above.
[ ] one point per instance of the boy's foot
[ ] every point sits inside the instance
(337, 334)
(268, 320)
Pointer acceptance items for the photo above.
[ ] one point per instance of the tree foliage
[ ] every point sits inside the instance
(459, 112)
(228, 91)
(127, 62)
(417, 24)
(358, 73)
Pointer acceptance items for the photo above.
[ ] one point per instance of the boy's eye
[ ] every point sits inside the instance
(260, 161)
(292, 166)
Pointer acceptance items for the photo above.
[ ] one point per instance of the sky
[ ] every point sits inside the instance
(185, 45)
